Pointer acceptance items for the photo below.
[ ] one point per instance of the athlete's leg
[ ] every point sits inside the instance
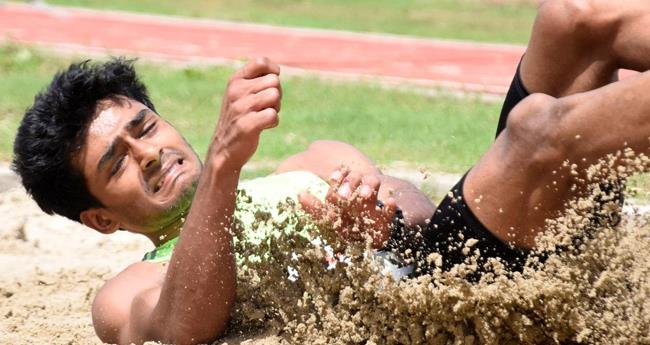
(325, 156)
(576, 46)
(579, 45)
(322, 157)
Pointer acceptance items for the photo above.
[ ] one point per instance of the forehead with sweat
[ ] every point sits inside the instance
(107, 116)
(104, 123)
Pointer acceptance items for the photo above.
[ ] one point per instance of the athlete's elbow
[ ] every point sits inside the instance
(191, 333)
(194, 338)
(201, 327)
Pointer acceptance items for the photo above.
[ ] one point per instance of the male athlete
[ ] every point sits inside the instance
(93, 149)
(112, 163)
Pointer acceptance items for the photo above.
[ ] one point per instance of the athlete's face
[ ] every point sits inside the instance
(138, 166)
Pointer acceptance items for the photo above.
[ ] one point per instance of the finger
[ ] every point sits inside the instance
(268, 118)
(354, 179)
(312, 205)
(267, 98)
(337, 177)
(239, 88)
(383, 229)
(333, 197)
(368, 191)
(335, 180)
(321, 212)
(349, 185)
(280, 90)
(255, 122)
(258, 67)
(261, 83)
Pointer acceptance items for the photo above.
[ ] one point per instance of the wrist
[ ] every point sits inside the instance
(218, 173)
(224, 158)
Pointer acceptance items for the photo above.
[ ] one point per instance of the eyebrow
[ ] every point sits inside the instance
(137, 119)
(110, 152)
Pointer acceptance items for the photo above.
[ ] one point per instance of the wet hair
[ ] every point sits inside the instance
(55, 127)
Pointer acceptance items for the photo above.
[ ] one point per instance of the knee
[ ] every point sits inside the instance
(534, 131)
(338, 150)
(324, 145)
(584, 20)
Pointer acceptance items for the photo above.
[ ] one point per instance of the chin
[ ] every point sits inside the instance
(185, 195)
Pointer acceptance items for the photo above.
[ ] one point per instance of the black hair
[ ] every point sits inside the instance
(55, 126)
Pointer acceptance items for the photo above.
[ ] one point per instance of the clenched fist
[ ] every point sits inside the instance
(250, 105)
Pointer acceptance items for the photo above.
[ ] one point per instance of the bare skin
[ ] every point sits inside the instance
(575, 50)
(145, 175)
(323, 157)
(170, 304)
(577, 112)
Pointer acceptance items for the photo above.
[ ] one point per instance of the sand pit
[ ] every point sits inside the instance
(595, 292)
(51, 270)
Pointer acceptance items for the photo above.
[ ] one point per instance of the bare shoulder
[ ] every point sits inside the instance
(112, 305)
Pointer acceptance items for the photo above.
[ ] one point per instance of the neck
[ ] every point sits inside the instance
(171, 227)
(167, 232)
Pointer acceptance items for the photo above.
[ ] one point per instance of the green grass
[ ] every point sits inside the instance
(480, 20)
(439, 133)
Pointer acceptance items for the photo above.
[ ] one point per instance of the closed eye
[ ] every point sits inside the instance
(118, 165)
(148, 129)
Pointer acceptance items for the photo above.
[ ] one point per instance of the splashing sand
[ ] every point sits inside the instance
(593, 291)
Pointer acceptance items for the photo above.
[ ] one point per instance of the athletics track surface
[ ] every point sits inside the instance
(460, 65)
(469, 66)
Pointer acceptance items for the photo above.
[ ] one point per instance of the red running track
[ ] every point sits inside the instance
(469, 66)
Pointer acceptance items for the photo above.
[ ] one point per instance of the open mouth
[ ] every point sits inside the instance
(169, 174)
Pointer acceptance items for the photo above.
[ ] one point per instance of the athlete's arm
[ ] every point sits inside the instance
(192, 302)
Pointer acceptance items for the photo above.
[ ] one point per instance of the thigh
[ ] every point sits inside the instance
(579, 45)
(322, 157)
(519, 182)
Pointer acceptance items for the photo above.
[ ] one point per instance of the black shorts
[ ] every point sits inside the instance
(455, 233)
(453, 223)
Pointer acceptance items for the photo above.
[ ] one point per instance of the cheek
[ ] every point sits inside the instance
(128, 187)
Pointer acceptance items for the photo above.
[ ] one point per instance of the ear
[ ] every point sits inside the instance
(100, 220)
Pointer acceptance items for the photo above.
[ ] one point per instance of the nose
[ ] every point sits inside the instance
(146, 154)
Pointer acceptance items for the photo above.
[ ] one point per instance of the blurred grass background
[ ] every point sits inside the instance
(442, 133)
(439, 133)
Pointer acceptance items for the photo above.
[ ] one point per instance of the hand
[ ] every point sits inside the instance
(351, 208)
(250, 105)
